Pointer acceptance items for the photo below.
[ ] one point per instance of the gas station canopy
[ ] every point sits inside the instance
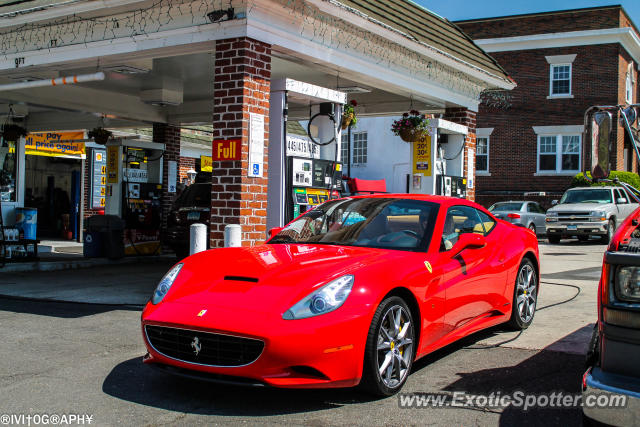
(158, 57)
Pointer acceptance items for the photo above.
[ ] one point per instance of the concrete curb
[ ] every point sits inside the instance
(54, 265)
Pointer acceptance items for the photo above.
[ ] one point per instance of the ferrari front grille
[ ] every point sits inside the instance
(204, 348)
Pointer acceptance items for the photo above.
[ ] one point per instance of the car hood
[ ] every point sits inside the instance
(268, 277)
(580, 207)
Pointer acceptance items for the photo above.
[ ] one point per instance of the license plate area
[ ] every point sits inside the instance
(572, 227)
(193, 216)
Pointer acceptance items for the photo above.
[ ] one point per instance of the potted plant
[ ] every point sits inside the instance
(13, 132)
(413, 126)
(349, 114)
(99, 135)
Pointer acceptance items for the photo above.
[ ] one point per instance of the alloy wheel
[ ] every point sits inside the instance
(526, 293)
(394, 346)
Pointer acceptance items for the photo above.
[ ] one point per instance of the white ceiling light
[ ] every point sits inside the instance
(126, 69)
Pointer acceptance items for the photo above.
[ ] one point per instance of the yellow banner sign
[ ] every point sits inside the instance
(55, 144)
(422, 157)
(112, 164)
(206, 164)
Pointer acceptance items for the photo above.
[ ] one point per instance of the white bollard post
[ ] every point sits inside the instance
(232, 236)
(197, 238)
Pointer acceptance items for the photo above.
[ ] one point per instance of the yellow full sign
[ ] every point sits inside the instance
(422, 157)
(55, 144)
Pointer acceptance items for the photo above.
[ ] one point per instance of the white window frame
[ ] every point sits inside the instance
(558, 170)
(629, 84)
(344, 145)
(484, 133)
(357, 152)
(559, 61)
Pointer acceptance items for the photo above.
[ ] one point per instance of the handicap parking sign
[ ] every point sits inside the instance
(255, 169)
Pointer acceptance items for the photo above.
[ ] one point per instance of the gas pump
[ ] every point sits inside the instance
(312, 180)
(134, 193)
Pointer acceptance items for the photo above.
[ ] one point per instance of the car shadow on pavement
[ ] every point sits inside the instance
(60, 309)
(547, 371)
(135, 382)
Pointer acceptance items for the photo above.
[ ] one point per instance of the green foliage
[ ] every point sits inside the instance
(628, 177)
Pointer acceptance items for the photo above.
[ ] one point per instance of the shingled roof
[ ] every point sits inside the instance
(425, 27)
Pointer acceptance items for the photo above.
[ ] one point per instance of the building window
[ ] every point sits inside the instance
(559, 153)
(359, 151)
(560, 79)
(344, 148)
(482, 155)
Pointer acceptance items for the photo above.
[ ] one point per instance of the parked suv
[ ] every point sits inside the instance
(614, 352)
(587, 211)
(192, 206)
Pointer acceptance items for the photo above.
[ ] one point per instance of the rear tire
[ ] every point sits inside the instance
(554, 240)
(525, 296)
(611, 229)
(390, 348)
(532, 227)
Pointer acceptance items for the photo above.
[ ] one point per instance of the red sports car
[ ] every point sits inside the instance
(351, 292)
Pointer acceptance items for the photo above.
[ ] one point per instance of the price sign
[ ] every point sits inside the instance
(98, 178)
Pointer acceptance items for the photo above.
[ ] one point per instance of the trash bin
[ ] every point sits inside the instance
(93, 244)
(27, 220)
(106, 233)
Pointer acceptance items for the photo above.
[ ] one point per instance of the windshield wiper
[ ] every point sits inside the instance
(283, 239)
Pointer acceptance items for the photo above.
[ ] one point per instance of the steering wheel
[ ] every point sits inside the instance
(410, 233)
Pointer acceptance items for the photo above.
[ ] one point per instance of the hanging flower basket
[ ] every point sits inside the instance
(411, 127)
(13, 132)
(100, 135)
(349, 115)
(347, 119)
(412, 135)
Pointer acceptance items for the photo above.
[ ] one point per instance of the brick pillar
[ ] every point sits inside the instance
(241, 86)
(467, 118)
(170, 137)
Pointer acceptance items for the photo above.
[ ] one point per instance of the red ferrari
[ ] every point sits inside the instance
(351, 292)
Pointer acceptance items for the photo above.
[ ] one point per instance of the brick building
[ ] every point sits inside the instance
(563, 62)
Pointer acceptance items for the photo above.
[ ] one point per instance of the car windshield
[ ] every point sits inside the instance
(506, 207)
(369, 222)
(195, 196)
(587, 196)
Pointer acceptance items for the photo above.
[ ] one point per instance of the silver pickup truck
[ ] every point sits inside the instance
(589, 211)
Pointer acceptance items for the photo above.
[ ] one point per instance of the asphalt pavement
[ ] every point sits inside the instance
(79, 358)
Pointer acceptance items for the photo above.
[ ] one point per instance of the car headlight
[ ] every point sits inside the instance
(326, 299)
(628, 284)
(598, 216)
(552, 216)
(165, 284)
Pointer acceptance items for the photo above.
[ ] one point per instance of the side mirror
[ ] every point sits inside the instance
(598, 137)
(275, 230)
(554, 202)
(468, 241)
(621, 200)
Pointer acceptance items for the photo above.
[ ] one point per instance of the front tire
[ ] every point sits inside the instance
(525, 296)
(611, 229)
(390, 349)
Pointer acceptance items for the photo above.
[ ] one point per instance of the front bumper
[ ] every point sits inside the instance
(598, 383)
(322, 352)
(577, 229)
